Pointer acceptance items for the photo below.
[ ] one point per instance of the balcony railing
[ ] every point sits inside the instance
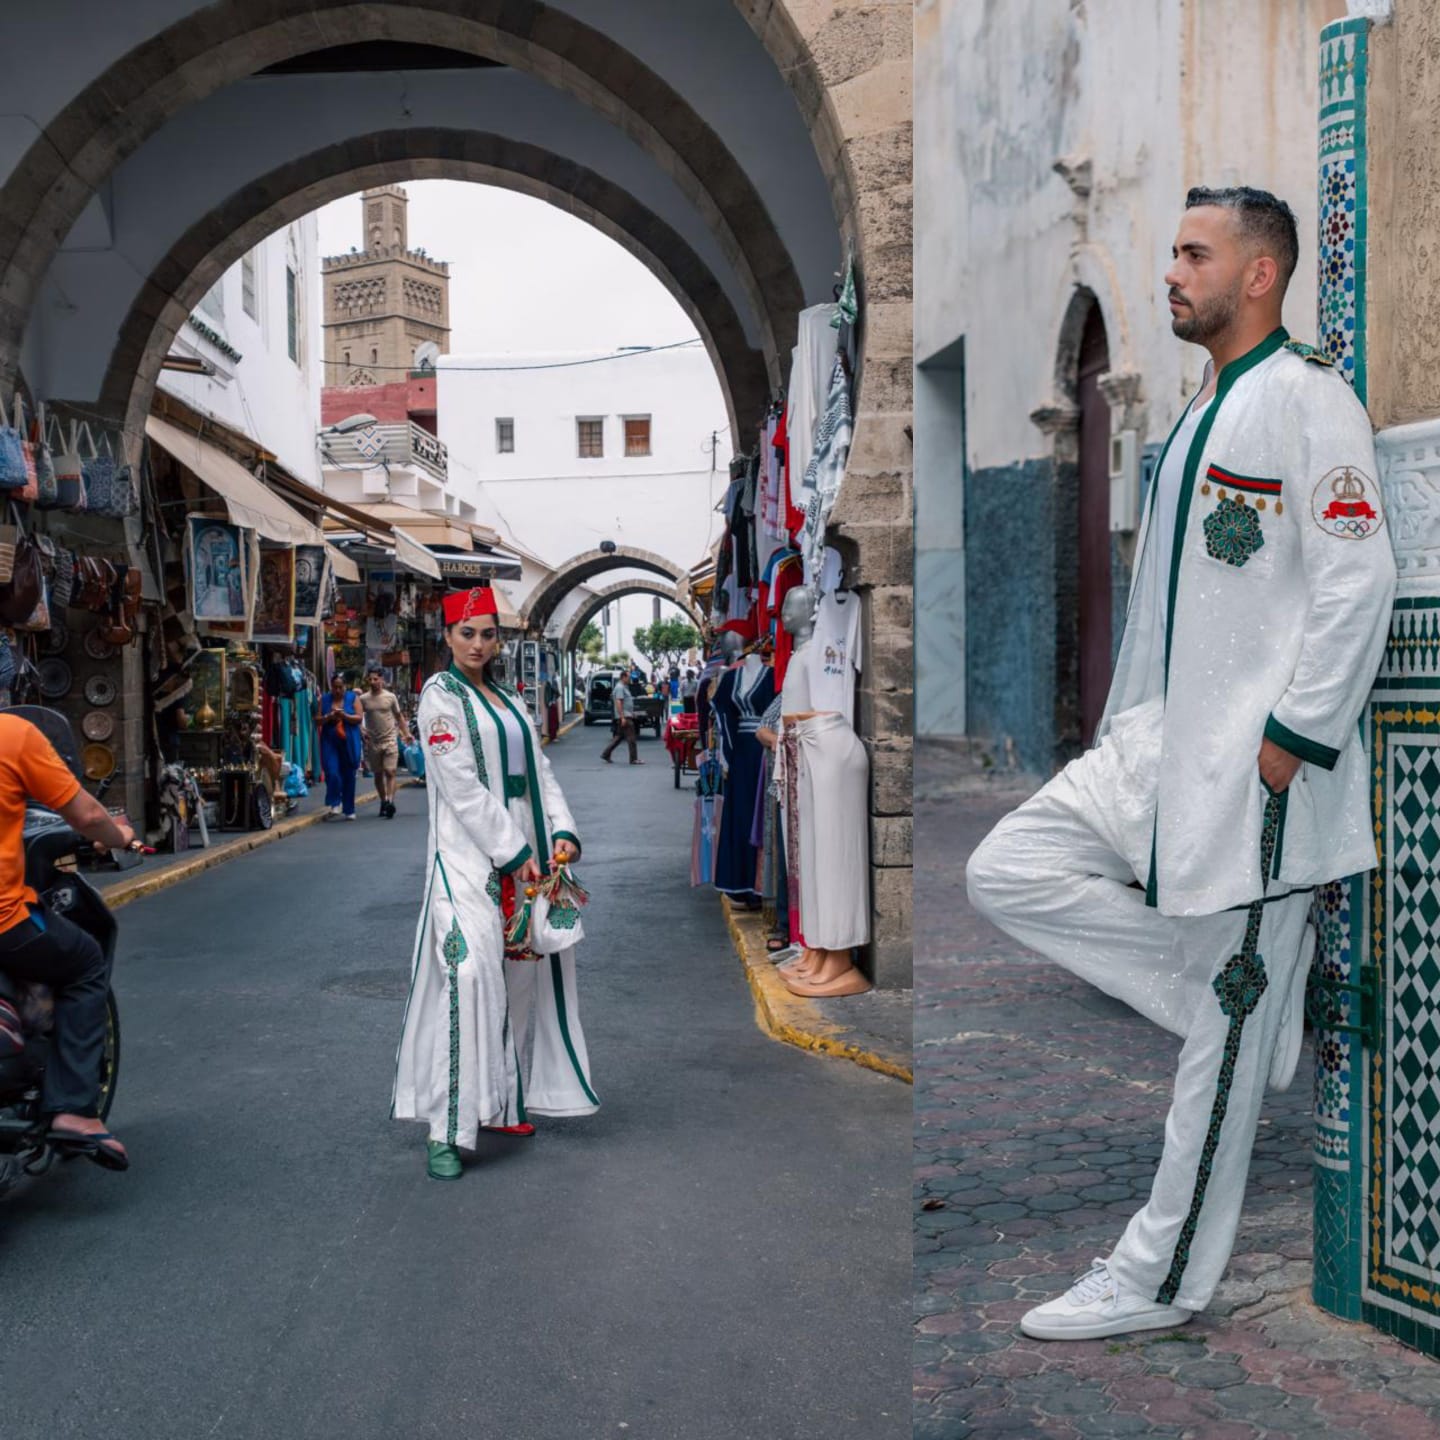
(402, 444)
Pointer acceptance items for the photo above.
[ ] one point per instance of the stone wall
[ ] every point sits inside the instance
(1403, 219)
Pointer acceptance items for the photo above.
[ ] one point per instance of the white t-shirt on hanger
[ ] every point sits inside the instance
(834, 653)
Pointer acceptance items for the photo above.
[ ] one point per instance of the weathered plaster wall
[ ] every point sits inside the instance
(1134, 101)
(1403, 333)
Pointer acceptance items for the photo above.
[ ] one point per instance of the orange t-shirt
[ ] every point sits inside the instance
(29, 769)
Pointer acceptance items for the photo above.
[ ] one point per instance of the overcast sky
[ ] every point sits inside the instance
(524, 275)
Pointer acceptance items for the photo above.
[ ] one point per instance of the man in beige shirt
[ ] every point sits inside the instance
(382, 719)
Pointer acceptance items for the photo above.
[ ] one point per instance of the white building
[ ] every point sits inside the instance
(633, 449)
(258, 331)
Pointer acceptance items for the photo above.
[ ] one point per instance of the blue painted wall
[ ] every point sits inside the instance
(1010, 609)
(1021, 636)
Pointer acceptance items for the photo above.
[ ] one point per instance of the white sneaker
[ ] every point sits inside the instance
(1286, 1058)
(1096, 1306)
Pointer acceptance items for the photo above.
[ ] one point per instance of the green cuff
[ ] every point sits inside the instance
(566, 835)
(524, 855)
(1310, 751)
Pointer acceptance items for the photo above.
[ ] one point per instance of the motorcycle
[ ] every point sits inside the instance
(51, 850)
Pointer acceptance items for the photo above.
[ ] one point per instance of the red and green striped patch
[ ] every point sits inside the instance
(1242, 482)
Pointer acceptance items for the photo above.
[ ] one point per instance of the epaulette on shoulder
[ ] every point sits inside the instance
(1309, 352)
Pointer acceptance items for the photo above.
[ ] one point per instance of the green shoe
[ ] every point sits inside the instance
(444, 1161)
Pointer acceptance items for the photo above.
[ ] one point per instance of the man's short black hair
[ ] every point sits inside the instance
(1263, 219)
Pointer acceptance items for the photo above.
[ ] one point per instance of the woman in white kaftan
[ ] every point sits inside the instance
(487, 1040)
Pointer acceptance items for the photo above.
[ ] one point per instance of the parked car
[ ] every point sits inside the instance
(599, 701)
(650, 710)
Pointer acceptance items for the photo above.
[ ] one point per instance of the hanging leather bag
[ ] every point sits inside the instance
(26, 587)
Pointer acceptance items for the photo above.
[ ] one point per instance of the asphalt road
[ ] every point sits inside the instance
(723, 1251)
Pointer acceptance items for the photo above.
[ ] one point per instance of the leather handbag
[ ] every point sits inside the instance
(25, 589)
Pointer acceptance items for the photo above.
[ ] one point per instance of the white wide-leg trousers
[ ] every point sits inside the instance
(1059, 874)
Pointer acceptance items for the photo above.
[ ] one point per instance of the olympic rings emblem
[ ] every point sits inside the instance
(1346, 504)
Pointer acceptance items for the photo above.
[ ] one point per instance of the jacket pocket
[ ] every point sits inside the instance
(1236, 512)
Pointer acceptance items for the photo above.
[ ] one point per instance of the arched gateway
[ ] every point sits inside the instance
(743, 149)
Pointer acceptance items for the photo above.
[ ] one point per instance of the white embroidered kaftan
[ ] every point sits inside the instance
(1267, 618)
(485, 1039)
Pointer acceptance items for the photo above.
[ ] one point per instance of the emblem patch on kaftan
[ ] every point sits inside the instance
(1346, 504)
(444, 734)
(1232, 531)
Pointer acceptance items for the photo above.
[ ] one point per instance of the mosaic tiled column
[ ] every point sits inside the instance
(1375, 997)
(1335, 999)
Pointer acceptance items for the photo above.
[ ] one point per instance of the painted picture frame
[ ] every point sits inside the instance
(275, 605)
(216, 562)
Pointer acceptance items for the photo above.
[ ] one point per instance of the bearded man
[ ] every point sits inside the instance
(1172, 864)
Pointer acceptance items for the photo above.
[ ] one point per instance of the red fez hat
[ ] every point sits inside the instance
(470, 604)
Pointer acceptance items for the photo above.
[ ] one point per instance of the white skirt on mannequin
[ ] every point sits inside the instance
(834, 833)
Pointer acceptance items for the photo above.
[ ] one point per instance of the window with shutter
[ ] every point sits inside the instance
(505, 436)
(591, 434)
(637, 435)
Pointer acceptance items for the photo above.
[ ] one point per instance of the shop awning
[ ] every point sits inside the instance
(248, 502)
(410, 553)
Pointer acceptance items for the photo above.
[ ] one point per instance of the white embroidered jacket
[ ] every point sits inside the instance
(1268, 618)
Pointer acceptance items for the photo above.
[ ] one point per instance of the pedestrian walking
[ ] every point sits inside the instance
(339, 717)
(1172, 865)
(384, 726)
(492, 1032)
(623, 725)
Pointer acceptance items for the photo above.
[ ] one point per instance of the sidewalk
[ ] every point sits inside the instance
(872, 1030)
(1039, 1112)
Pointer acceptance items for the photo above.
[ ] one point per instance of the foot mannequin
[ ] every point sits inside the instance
(833, 974)
(805, 963)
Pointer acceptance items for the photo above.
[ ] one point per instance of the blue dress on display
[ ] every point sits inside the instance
(737, 712)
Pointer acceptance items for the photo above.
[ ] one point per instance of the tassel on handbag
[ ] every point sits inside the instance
(517, 927)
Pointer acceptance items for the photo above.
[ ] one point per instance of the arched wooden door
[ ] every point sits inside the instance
(1093, 592)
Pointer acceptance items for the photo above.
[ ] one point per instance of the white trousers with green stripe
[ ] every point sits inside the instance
(1059, 874)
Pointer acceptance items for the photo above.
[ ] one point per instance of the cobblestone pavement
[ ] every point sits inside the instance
(1039, 1110)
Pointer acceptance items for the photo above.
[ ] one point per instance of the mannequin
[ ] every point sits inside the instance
(741, 696)
(729, 648)
(827, 771)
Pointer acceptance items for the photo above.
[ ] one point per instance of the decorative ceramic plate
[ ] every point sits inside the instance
(96, 648)
(56, 638)
(99, 690)
(54, 678)
(98, 725)
(99, 762)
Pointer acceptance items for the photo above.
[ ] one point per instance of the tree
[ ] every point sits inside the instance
(591, 642)
(620, 659)
(666, 640)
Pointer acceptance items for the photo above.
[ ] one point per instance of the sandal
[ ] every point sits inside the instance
(91, 1146)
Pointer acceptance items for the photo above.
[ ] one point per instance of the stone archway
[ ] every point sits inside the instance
(214, 243)
(230, 40)
(546, 597)
(592, 607)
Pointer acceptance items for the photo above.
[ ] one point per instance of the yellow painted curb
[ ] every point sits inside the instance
(127, 891)
(792, 1018)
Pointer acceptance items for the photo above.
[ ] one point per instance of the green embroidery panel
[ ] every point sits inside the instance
(1239, 985)
(1232, 532)
(457, 688)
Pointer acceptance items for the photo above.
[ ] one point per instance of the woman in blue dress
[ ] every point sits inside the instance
(339, 716)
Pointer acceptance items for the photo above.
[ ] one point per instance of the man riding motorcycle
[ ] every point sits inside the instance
(39, 946)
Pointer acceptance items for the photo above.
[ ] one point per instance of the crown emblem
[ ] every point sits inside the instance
(1347, 485)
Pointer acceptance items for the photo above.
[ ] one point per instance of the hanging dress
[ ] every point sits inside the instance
(738, 706)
